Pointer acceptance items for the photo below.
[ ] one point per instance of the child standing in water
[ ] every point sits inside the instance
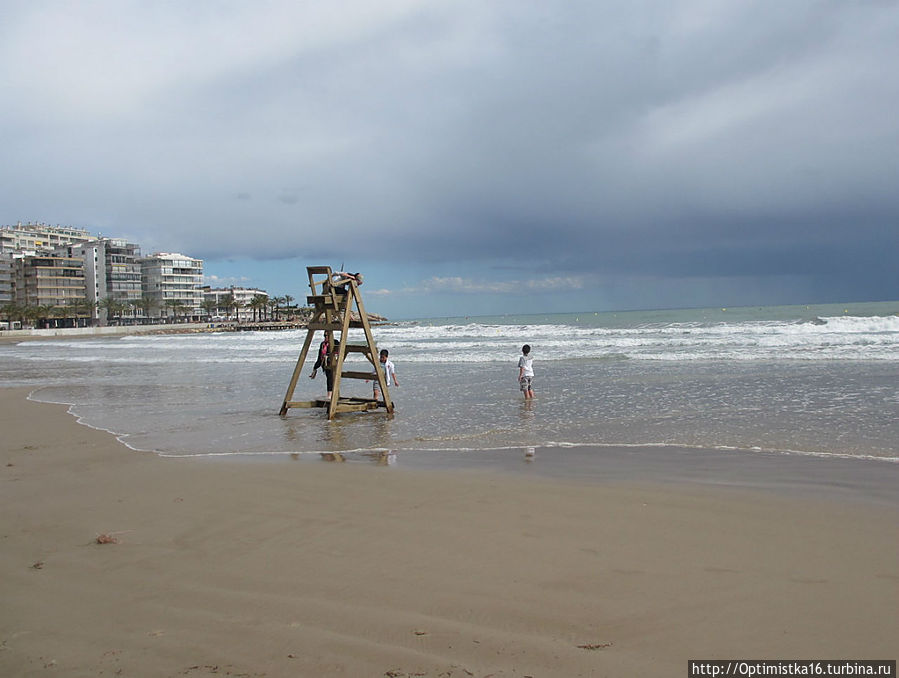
(389, 372)
(526, 372)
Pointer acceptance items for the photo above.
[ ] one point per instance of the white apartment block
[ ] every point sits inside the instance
(242, 297)
(171, 278)
(41, 237)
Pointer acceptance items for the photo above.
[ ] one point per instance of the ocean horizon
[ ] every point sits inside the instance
(812, 380)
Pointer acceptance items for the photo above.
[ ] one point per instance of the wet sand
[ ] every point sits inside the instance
(791, 475)
(318, 569)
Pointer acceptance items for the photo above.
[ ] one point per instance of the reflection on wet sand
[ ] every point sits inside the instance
(380, 458)
(340, 434)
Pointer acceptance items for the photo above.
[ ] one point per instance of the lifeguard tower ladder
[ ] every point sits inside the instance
(332, 303)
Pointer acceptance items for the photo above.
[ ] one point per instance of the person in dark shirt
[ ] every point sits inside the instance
(324, 362)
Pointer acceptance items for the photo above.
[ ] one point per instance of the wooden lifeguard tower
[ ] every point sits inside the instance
(332, 299)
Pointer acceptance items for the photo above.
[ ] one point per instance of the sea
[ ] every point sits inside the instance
(819, 381)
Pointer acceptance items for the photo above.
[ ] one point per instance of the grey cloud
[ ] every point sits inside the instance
(670, 139)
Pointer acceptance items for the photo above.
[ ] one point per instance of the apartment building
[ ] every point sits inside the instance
(48, 280)
(242, 297)
(40, 237)
(54, 265)
(168, 279)
(7, 277)
(112, 270)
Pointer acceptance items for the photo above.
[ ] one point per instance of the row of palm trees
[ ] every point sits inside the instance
(263, 307)
(47, 315)
(118, 309)
(80, 312)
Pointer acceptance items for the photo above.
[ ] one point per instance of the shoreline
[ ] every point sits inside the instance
(16, 336)
(859, 480)
(319, 569)
(856, 479)
(787, 472)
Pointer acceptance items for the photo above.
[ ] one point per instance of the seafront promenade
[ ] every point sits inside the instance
(180, 328)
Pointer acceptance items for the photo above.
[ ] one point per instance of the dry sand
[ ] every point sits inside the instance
(315, 569)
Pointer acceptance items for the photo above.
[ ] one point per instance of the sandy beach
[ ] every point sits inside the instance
(313, 569)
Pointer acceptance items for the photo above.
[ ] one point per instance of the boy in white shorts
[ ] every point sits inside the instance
(389, 373)
(526, 372)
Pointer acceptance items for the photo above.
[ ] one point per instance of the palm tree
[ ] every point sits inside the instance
(12, 311)
(81, 308)
(146, 304)
(277, 305)
(64, 312)
(177, 307)
(113, 308)
(209, 305)
(52, 314)
(20, 313)
(180, 308)
(286, 301)
(170, 308)
(41, 314)
(27, 314)
(128, 308)
(227, 303)
(266, 309)
(258, 303)
(236, 304)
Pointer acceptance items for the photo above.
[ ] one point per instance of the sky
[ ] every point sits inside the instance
(471, 157)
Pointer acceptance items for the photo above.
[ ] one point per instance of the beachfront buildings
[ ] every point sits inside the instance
(234, 303)
(112, 277)
(115, 284)
(42, 282)
(39, 237)
(172, 284)
(6, 277)
(49, 281)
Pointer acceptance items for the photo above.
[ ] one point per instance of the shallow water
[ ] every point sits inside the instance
(810, 380)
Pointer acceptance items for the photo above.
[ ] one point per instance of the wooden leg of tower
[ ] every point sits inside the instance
(341, 353)
(296, 372)
(369, 337)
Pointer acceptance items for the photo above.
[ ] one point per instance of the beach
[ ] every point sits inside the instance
(277, 568)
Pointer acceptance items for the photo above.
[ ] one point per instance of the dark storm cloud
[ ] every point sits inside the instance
(673, 140)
